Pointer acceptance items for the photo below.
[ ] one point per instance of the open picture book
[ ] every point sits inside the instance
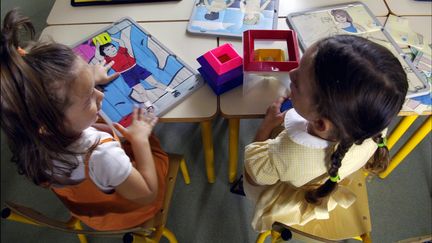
(150, 74)
(356, 19)
(232, 17)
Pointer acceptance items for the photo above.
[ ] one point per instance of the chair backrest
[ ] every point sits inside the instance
(352, 222)
(344, 223)
(24, 214)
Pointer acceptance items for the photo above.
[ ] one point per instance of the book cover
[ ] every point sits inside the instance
(232, 17)
(150, 74)
(356, 19)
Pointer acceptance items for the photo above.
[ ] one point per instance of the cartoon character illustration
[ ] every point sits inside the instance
(252, 10)
(345, 22)
(215, 7)
(130, 70)
(200, 3)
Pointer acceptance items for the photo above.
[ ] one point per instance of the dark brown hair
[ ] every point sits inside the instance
(360, 87)
(34, 97)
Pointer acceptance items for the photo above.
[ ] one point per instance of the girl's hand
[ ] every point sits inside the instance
(141, 127)
(100, 72)
(274, 117)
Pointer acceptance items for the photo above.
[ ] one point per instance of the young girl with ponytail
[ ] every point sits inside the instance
(49, 107)
(344, 93)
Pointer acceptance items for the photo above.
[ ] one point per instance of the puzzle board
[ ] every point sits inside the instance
(356, 19)
(232, 17)
(150, 74)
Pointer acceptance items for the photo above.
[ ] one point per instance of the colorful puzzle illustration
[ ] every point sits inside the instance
(150, 74)
(357, 19)
(232, 17)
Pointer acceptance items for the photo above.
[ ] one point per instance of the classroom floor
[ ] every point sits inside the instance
(201, 212)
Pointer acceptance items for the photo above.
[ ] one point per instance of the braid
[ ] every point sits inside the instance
(325, 189)
(360, 87)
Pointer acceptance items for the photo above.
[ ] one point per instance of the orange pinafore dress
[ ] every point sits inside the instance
(102, 211)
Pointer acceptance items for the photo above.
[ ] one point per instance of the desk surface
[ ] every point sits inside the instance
(233, 104)
(409, 7)
(200, 105)
(63, 13)
(377, 7)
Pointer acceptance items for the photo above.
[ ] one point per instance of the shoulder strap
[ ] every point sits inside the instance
(89, 153)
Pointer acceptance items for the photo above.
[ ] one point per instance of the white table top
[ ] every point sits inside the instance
(200, 105)
(409, 7)
(233, 104)
(63, 13)
(377, 7)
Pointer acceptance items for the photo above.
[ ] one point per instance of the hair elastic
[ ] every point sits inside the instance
(335, 178)
(21, 51)
(383, 143)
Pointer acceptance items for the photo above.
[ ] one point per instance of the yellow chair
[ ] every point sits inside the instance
(353, 222)
(151, 231)
(411, 143)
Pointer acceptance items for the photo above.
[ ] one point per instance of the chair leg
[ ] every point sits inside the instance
(76, 224)
(169, 235)
(140, 237)
(399, 130)
(6, 213)
(262, 236)
(207, 138)
(366, 238)
(415, 139)
(233, 124)
(185, 172)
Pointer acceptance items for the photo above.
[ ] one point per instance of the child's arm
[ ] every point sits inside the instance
(272, 119)
(141, 186)
(102, 127)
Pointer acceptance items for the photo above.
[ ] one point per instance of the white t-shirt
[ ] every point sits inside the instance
(109, 165)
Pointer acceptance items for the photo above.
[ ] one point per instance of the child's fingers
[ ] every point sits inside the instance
(121, 129)
(280, 100)
(277, 104)
(135, 113)
(103, 62)
(109, 65)
(113, 76)
(153, 121)
(141, 113)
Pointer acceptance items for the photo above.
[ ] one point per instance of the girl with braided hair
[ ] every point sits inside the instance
(344, 93)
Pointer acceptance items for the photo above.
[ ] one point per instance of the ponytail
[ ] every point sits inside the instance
(9, 38)
(381, 158)
(34, 85)
(325, 189)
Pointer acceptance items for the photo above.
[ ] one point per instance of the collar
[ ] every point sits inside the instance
(296, 128)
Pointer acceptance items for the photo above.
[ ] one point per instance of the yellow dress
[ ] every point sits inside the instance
(291, 164)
